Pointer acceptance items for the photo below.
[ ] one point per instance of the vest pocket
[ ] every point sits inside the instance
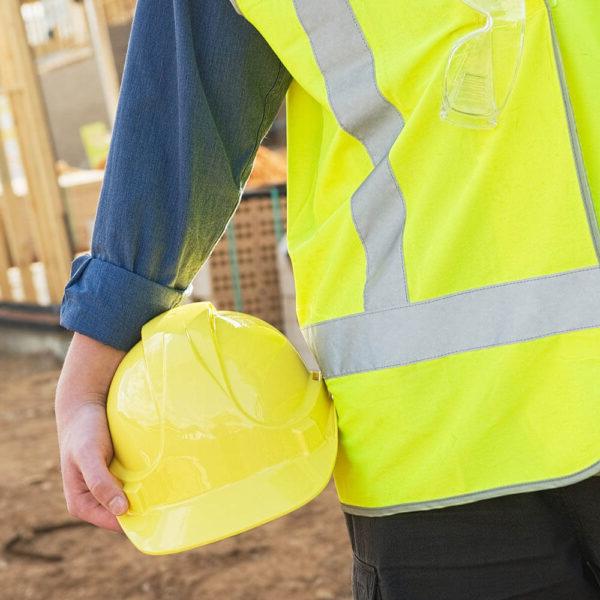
(364, 581)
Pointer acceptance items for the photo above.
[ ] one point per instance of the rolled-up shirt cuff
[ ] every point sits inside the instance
(111, 304)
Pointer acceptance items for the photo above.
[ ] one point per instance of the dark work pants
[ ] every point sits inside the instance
(540, 546)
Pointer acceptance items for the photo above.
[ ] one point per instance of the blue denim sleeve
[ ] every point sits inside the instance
(200, 89)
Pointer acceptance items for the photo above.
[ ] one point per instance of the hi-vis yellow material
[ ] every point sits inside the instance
(217, 427)
(448, 276)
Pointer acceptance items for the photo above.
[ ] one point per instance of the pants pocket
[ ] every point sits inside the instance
(364, 581)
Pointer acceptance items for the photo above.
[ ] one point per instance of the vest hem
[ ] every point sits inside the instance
(532, 486)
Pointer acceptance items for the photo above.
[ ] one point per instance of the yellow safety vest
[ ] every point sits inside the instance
(447, 278)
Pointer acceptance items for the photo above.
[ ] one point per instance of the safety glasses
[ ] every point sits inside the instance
(483, 65)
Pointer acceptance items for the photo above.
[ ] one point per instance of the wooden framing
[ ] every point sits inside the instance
(47, 227)
(17, 248)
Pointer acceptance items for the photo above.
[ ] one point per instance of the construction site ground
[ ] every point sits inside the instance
(47, 555)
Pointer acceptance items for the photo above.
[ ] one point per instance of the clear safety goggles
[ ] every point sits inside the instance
(483, 65)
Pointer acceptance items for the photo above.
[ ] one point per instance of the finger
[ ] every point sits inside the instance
(102, 484)
(81, 504)
(96, 514)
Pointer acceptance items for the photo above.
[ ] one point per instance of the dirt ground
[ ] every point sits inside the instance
(44, 554)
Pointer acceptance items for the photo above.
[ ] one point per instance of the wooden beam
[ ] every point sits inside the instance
(5, 287)
(12, 226)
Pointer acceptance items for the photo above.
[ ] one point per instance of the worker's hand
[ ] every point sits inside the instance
(92, 493)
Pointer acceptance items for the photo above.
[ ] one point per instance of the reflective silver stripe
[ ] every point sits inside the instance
(519, 488)
(348, 67)
(471, 320)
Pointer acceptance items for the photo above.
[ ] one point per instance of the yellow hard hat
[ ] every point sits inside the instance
(217, 427)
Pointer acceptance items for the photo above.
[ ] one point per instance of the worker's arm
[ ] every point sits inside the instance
(201, 88)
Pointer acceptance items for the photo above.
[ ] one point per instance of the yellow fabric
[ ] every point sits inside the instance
(506, 208)
(470, 228)
(469, 422)
(329, 165)
(482, 207)
(578, 27)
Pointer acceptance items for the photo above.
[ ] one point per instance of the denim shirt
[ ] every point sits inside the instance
(200, 90)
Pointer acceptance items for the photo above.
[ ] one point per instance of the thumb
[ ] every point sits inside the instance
(103, 485)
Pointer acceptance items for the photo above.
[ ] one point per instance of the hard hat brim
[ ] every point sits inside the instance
(232, 509)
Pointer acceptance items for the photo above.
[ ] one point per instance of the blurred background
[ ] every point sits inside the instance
(60, 66)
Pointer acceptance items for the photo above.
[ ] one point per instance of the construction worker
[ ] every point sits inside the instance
(443, 202)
